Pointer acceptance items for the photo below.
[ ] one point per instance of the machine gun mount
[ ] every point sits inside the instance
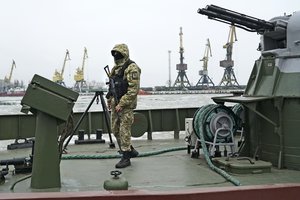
(240, 20)
(274, 31)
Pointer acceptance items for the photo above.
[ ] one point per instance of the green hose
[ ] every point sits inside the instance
(199, 121)
(238, 109)
(151, 153)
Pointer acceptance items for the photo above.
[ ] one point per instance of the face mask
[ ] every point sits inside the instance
(117, 55)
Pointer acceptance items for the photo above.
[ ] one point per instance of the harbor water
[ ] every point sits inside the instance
(12, 105)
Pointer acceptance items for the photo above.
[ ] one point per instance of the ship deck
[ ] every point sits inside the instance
(174, 170)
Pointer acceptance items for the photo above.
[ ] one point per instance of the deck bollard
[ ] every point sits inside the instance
(99, 134)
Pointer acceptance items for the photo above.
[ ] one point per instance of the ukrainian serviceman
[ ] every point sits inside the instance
(126, 77)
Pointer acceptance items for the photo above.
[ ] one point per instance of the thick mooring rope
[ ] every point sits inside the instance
(200, 119)
(151, 153)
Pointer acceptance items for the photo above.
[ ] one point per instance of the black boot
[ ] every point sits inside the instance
(125, 160)
(133, 153)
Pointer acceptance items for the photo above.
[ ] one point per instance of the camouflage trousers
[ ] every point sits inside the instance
(121, 127)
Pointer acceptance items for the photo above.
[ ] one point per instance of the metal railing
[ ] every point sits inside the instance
(22, 126)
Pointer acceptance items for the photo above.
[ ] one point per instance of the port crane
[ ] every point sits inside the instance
(229, 78)
(80, 83)
(205, 80)
(7, 79)
(182, 80)
(58, 77)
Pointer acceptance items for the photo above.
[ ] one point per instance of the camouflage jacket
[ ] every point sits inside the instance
(132, 74)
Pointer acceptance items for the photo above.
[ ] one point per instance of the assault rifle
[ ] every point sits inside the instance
(240, 20)
(112, 86)
(111, 92)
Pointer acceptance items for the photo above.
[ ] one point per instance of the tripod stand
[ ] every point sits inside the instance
(106, 116)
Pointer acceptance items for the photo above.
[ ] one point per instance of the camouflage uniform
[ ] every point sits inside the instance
(121, 122)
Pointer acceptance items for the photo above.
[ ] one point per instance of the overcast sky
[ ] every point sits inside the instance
(36, 34)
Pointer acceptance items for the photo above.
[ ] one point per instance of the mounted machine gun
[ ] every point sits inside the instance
(273, 32)
(272, 93)
(240, 20)
(58, 77)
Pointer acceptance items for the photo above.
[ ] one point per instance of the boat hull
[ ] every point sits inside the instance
(263, 192)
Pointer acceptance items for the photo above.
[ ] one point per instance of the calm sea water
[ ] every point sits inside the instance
(11, 105)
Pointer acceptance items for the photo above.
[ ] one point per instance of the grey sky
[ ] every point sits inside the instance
(36, 34)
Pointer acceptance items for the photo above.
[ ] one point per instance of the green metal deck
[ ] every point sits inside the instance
(171, 171)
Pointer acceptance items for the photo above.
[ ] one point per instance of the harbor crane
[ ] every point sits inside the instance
(229, 78)
(204, 78)
(182, 79)
(7, 79)
(58, 77)
(80, 83)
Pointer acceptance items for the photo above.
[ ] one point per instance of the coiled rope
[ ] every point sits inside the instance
(200, 118)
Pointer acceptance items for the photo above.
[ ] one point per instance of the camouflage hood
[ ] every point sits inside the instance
(123, 49)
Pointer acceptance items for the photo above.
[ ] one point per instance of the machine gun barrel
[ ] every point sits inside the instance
(240, 20)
